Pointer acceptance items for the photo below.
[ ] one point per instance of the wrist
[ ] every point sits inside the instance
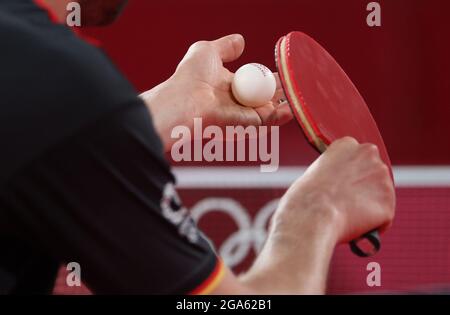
(313, 216)
(168, 110)
(313, 231)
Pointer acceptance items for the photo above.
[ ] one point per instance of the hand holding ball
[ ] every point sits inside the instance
(253, 85)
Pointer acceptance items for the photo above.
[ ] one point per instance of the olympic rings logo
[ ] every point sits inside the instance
(249, 234)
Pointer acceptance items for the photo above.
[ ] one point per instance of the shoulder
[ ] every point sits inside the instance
(52, 84)
(51, 59)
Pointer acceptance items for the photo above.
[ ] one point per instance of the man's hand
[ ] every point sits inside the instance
(345, 193)
(201, 87)
(349, 185)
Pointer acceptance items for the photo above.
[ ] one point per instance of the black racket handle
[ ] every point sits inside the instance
(374, 240)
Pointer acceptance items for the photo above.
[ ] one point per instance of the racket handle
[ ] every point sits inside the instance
(373, 238)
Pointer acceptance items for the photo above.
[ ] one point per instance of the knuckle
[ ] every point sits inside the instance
(371, 153)
(345, 141)
(385, 180)
(199, 45)
(385, 169)
(370, 149)
(349, 140)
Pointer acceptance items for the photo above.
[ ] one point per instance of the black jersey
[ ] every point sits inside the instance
(83, 176)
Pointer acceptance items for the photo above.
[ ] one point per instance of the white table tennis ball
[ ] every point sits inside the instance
(253, 85)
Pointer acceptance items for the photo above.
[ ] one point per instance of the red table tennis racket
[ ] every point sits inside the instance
(327, 106)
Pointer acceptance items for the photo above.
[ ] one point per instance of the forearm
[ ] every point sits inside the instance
(294, 262)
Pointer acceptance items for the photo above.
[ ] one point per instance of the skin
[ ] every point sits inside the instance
(346, 192)
(201, 87)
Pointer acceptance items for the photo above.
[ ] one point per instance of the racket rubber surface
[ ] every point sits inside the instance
(326, 105)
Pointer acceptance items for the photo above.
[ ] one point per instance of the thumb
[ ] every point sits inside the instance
(229, 47)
